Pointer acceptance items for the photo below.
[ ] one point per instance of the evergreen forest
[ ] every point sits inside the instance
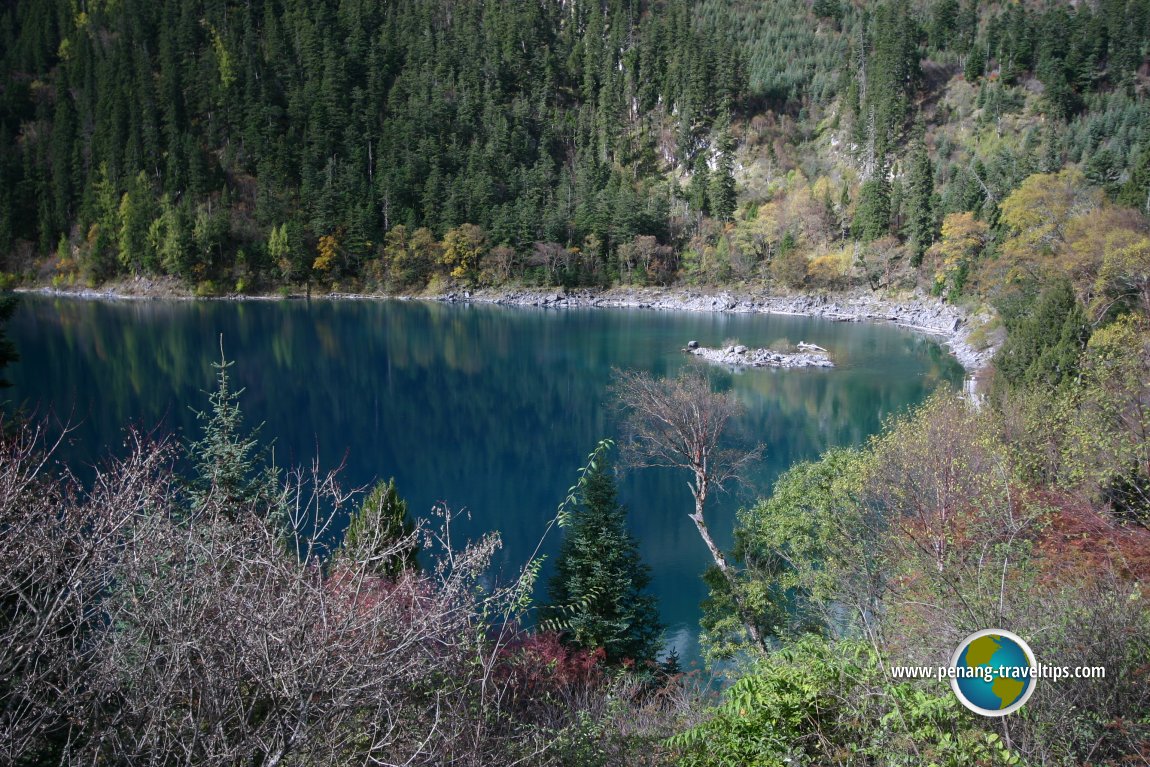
(362, 146)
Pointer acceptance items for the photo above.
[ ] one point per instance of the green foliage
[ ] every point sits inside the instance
(597, 592)
(136, 252)
(889, 555)
(1047, 333)
(518, 118)
(380, 535)
(920, 202)
(872, 218)
(790, 547)
(791, 51)
(170, 137)
(170, 239)
(721, 193)
(892, 74)
(1100, 445)
(818, 702)
(1136, 191)
(230, 474)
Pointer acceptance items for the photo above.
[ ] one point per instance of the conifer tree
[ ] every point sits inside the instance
(380, 534)
(598, 589)
(697, 188)
(920, 191)
(721, 193)
(231, 475)
(1136, 191)
(8, 353)
(1046, 336)
(872, 218)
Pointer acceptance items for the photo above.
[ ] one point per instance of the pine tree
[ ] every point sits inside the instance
(697, 188)
(135, 217)
(380, 534)
(8, 353)
(1136, 191)
(893, 75)
(872, 218)
(827, 9)
(1046, 336)
(721, 193)
(975, 65)
(231, 475)
(598, 589)
(920, 193)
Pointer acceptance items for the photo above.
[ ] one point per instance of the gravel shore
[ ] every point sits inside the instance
(928, 315)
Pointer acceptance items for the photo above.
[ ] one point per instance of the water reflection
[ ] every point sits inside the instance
(484, 408)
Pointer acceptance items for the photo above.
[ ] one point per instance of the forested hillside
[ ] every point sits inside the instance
(223, 140)
(380, 146)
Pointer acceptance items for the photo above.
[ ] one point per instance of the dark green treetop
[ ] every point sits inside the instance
(598, 589)
(381, 534)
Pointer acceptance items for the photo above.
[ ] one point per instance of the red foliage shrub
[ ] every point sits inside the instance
(1082, 543)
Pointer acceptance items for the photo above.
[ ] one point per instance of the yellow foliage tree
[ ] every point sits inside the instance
(1039, 210)
(1125, 272)
(962, 239)
(759, 238)
(463, 248)
(328, 250)
(832, 269)
(1091, 239)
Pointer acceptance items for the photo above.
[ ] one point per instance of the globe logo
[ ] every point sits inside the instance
(993, 672)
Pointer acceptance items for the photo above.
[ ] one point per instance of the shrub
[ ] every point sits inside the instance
(820, 702)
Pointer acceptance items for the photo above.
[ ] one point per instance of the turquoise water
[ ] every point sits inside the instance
(485, 408)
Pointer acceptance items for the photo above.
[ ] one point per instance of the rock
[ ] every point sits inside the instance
(741, 356)
(692, 344)
(804, 346)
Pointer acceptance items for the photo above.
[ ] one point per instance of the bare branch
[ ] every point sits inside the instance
(680, 423)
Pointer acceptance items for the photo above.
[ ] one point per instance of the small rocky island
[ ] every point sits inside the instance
(806, 356)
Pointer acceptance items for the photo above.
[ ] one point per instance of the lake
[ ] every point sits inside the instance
(484, 408)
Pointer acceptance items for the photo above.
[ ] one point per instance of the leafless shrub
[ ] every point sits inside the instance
(56, 557)
(135, 632)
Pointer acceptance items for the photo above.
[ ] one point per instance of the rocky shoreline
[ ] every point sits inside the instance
(923, 314)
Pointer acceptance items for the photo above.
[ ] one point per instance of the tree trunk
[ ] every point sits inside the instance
(725, 568)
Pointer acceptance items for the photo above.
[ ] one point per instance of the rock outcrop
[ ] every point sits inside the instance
(741, 356)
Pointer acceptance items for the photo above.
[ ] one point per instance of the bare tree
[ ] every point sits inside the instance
(679, 423)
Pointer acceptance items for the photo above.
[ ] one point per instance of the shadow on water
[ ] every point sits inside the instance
(484, 408)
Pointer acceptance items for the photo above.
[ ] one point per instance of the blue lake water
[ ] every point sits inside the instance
(484, 408)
